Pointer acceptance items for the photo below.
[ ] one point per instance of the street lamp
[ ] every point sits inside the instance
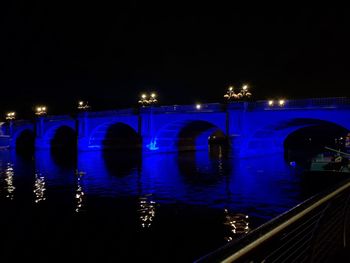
(148, 100)
(198, 106)
(40, 110)
(83, 105)
(244, 93)
(281, 102)
(230, 94)
(10, 116)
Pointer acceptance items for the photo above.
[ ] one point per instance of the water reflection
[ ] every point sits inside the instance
(79, 193)
(46, 164)
(203, 167)
(147, 210)
(122, 164)
(9, 187)
(236, 225)
(188, 186)
(39, 188)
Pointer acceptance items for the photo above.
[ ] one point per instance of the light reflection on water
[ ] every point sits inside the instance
(79, 193)
(237, 225)
(153, 192)
(147, 210)
(39, 188)
(8, 178)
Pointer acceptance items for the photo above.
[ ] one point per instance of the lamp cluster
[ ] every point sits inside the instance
(244, 93)
(40, 110)
(10, 116)
(148, 99)
(83, 105)
(280, 103)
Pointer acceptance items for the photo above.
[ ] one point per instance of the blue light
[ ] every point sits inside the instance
(252, 130)
(153, 145)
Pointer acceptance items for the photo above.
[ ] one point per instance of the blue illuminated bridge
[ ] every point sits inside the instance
(251, 128)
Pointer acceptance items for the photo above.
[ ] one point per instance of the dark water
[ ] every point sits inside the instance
(104, 207)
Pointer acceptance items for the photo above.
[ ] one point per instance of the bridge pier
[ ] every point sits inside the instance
(82, 125)
(42, 143)
(235, 142)
(83, 144)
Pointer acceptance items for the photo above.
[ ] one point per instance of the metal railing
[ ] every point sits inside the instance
(314, 103)
(129, 111)
(208, 107)
(314, 231)
(57, 117)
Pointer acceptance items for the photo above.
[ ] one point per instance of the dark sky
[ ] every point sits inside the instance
(57, 52)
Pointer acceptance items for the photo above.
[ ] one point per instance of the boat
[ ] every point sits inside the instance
(331, 160)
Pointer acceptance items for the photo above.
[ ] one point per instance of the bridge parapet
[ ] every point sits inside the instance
(21, 122)
(315, 103)
(8, 127)
(58, 117)
(208, 107)
(98, 114)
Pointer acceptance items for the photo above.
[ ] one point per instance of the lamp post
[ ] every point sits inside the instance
(41, 111)
(230, 93)
(83, 105)
(281, 102)
(146, 100)
(273, 103)
(244, 93)
(10, 116)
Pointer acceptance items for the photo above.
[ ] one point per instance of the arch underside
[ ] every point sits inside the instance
(64, 137)
(24, 140)
(190, 135)
(57, 136)
(114, 136)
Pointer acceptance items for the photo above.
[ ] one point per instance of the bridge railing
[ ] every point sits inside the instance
(130, 111)
(208, 107)
(58, 117)
(6, 127)
(314, 231)
(21, 122)
(339, 102)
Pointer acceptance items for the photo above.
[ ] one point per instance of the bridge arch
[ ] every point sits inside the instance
(23, 139)
(186, 135)
(57, 136)
(114, 135)
(271, 138)
(63, 137)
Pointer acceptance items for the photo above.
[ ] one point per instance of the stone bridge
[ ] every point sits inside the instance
(252, 128)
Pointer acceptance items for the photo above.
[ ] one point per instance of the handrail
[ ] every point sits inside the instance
(242, 248)
(337, 151)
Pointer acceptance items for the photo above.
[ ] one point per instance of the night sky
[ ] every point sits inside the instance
(56, 52)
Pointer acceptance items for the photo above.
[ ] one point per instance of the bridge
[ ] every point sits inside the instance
(251, 128)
